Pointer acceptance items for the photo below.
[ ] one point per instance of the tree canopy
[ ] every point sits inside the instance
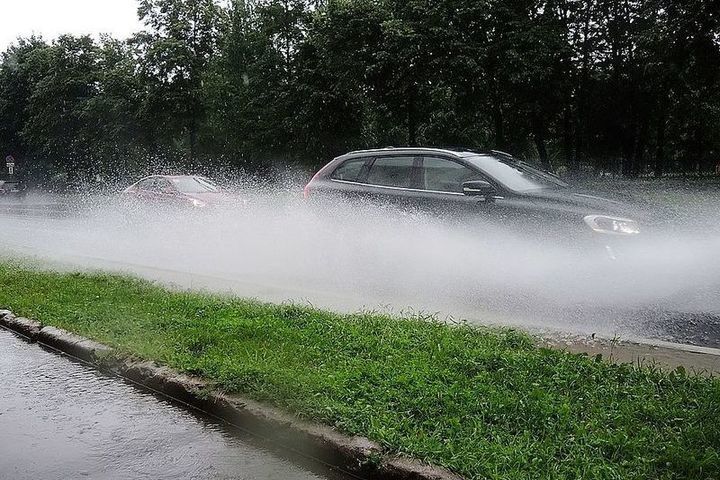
(623, 86)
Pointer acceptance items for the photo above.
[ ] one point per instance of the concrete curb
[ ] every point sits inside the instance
(23, 326)
(682, 347)
(354, 454)
(72, 344)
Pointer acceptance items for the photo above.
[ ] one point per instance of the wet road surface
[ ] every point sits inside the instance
(61, 419)
(687, 309)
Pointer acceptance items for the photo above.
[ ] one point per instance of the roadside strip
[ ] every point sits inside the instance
(354, 454)
(640, 351)
(482, 402)
(684, 347)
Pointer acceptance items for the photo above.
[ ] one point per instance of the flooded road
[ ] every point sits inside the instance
(61, 419)
(665, 288)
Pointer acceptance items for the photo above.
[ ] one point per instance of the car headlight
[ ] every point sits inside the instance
(198, 203)
(612, 225)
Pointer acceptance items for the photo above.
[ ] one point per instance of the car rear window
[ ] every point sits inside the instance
(349, 170)
(392, 172)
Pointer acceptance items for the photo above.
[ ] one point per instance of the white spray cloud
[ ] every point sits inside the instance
(348, 257)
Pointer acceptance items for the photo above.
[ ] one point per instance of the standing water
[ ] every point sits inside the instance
(61, 419)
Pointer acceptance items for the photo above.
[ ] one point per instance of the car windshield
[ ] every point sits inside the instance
(194, 185)
(515, 174)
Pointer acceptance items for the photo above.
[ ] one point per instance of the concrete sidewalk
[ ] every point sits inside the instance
(667, 355)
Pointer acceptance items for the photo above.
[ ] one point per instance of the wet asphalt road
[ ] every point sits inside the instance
(52, 230)
(60, 419)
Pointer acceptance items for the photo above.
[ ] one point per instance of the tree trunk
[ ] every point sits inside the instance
(660, 147)
(412, 115)
(193, 139)
(497, 114)
(636, 166)
(570, 159)
(538, 127)
(582, 90)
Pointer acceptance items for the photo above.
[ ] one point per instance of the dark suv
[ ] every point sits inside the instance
(490, 185)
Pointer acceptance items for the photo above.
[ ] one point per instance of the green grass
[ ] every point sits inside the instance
(486, 403)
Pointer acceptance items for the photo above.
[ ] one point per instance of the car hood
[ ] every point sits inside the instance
(585, 202)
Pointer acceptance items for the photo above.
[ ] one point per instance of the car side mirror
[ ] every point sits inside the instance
(478, 188)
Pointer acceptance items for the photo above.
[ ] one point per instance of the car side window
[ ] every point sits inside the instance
(163, 186)
(392, 172)
(146, 185)
(443, 175)
(349, 170)
(155, 185)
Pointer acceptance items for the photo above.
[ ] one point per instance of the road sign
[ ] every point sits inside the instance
(10, 164)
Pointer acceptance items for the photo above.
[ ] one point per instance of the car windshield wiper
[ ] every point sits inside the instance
(549, 176)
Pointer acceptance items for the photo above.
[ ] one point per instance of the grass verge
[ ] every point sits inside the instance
(485, 403)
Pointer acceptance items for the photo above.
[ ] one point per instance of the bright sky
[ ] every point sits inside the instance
(51, 18)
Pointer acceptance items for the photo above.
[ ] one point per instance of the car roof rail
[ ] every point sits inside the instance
(500, 152)
(459, 149)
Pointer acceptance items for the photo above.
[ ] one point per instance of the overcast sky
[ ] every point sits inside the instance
(51, 18)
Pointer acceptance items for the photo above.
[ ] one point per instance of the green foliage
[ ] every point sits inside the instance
(484, 402)
(177, 49)
(615, 85)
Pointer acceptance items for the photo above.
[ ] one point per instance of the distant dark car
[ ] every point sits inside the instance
(491, 185)
(11, 187)
(180, 191)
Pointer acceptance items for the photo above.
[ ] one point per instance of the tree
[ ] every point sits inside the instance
(59, 128)
(175, 53)
(627, 86)
(16, 77)
(122, 142)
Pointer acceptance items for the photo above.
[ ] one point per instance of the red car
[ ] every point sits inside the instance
(179, 190)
